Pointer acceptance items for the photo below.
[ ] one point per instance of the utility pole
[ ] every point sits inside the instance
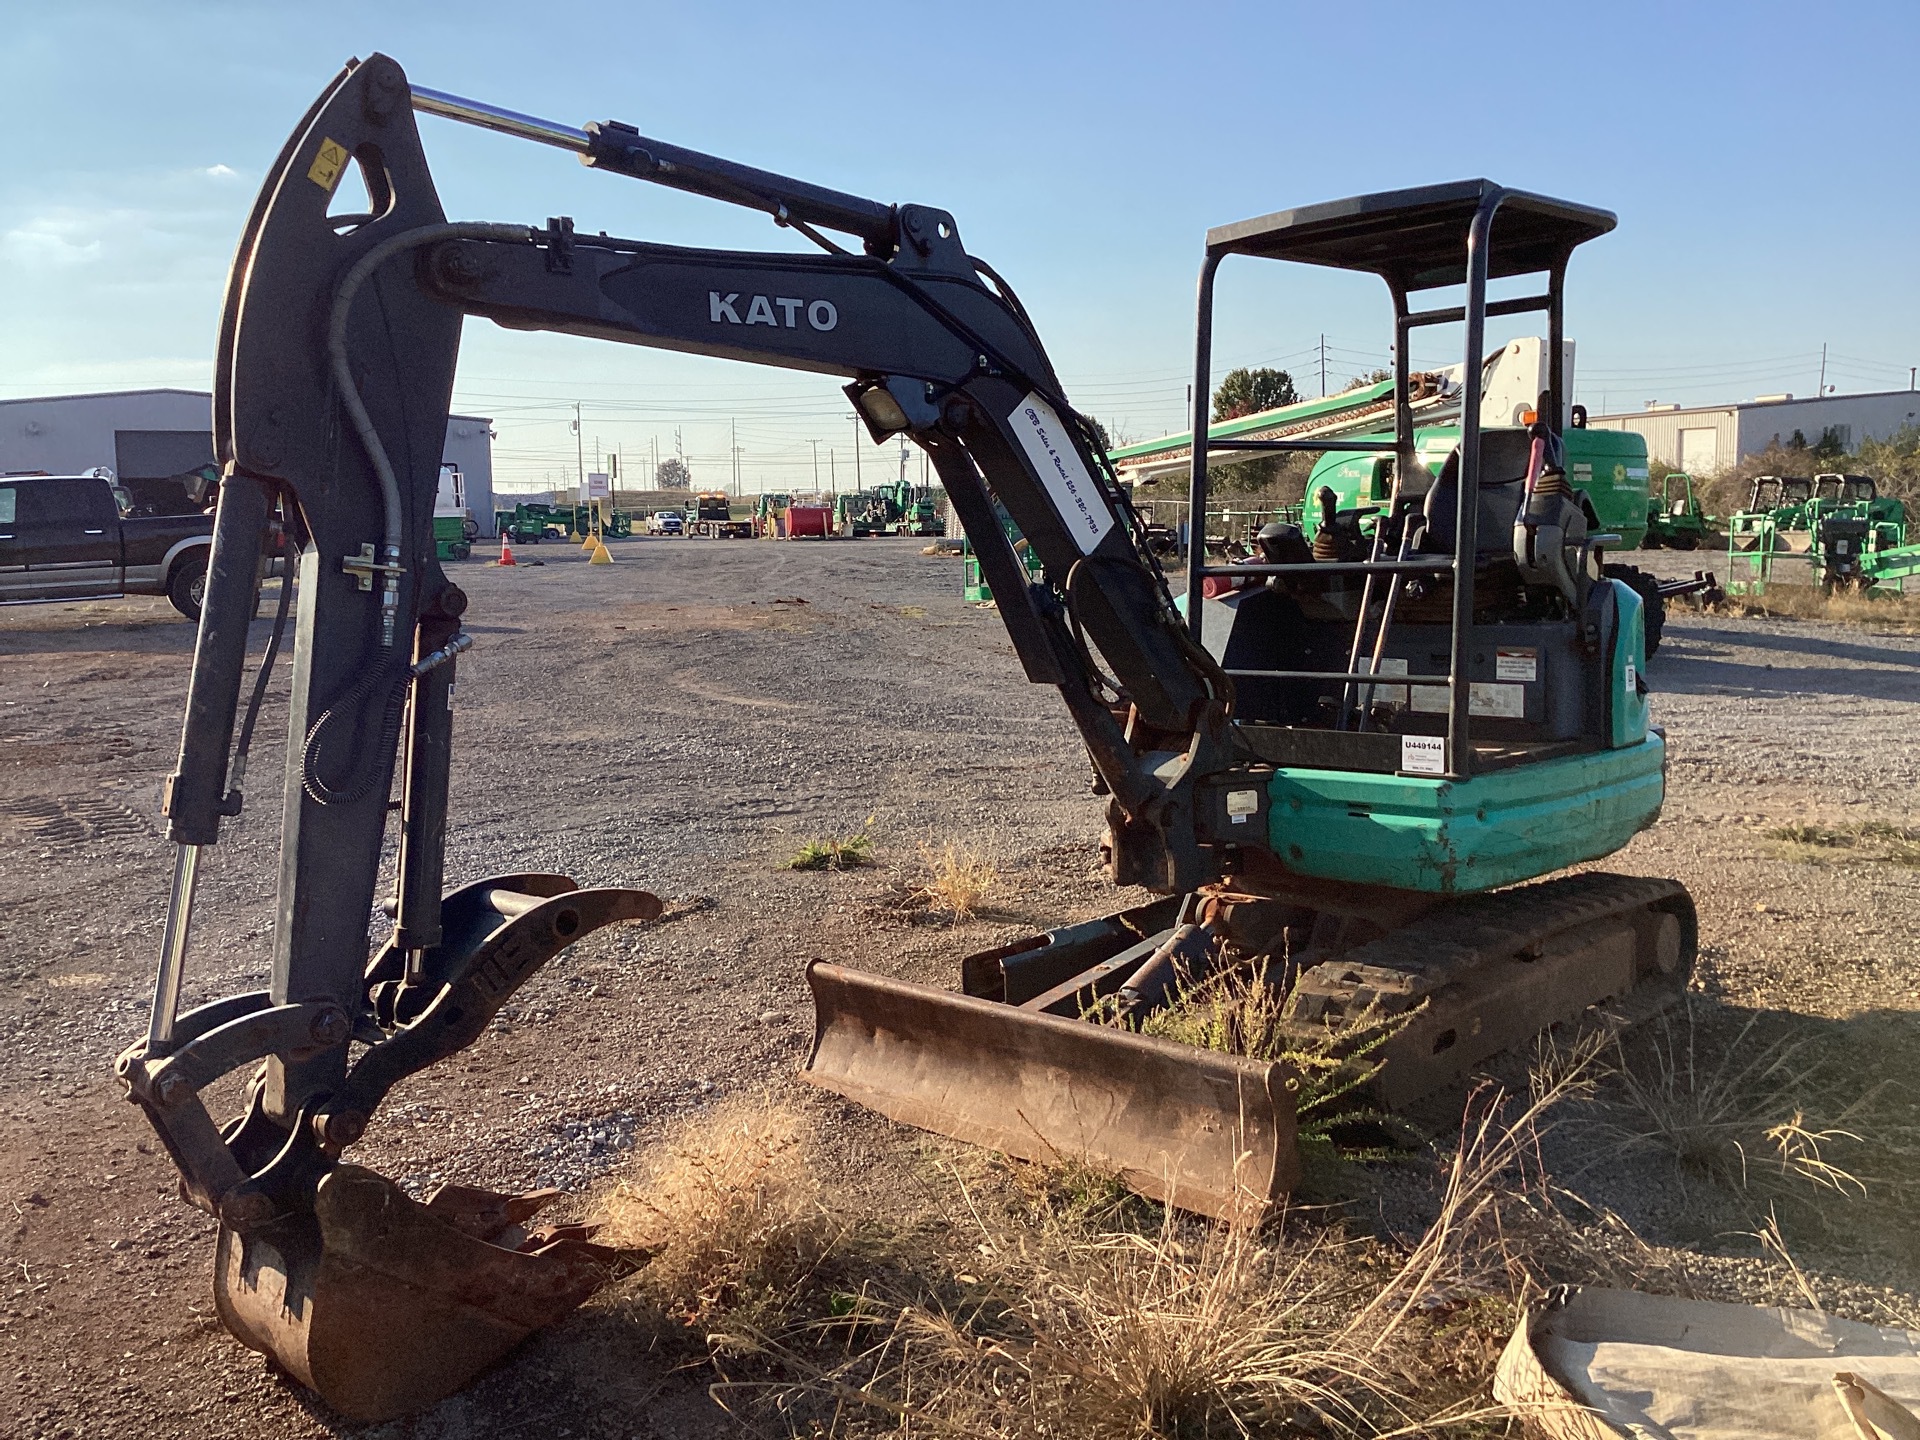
(579, 448)
(734, 429)
(833, 474)
(1823, 371)
(1911, 371)
(816, 465)
(856, 452)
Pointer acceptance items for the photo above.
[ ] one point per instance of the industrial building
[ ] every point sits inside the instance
(147, 437)
(1707, 438)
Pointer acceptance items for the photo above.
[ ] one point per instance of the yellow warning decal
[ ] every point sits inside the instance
(327, 165)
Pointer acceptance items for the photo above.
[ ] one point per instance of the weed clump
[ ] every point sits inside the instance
(1237, 1013)
(1734, 1112)
(836, 852)
(956, 878)
(732, 1217)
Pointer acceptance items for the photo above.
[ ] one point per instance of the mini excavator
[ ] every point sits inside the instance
(1340, 769)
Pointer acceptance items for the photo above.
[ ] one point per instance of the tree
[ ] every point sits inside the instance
(1373, 378)
(672, 474)
(1248, 392)
(1829, 447)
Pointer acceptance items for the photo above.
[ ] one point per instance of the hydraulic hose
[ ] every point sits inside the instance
(363, 268)
(385, 679)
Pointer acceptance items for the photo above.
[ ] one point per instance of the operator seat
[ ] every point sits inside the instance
(1503, 479)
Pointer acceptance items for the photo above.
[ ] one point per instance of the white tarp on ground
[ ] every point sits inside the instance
(1594, 1364)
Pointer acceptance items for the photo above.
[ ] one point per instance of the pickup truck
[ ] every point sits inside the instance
(67, 537)
(665, 522)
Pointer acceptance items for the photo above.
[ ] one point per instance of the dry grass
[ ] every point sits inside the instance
(955, 879)
(1236, 1013)
(1083, 1327)
(1862, 839)
(1737, 1112)
(1899, 613)
(731, 1213)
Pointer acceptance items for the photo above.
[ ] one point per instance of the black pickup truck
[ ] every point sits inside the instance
(67, 537)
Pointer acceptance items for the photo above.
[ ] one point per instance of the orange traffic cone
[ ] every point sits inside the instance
(506, 550)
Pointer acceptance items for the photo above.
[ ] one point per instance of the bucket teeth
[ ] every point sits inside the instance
(382, 1305)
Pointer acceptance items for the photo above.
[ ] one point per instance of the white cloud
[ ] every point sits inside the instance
(221, 172)
(51, 241)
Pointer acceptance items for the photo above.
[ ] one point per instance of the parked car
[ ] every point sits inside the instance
(69, 537)
(667, 522)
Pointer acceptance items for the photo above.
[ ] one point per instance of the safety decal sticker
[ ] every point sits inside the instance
(1516, 663)
(1501, 702)
(1241, 804)
(327, 165)
(1043, 436)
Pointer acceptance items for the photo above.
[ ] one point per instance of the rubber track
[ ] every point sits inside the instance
(1468, 932)
(1462, 961)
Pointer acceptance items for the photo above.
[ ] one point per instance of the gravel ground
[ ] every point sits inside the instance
(681, 721)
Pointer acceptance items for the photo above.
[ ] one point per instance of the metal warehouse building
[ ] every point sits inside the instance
(152, 435)
(1703, 439)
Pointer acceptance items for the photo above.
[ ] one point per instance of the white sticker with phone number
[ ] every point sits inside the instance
(1082, 507)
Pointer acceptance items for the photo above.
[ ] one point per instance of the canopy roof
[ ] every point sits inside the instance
(1418, 238)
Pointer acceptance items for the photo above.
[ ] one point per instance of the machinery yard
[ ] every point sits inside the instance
(1381, 913)
(857, 692)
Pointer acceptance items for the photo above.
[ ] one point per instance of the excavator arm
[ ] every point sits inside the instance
(337, 352)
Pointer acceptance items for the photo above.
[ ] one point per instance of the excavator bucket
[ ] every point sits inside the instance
(383, 1305)
(1206, 1132)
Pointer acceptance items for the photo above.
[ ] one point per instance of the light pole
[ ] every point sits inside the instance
(816, 465)
(856, 450)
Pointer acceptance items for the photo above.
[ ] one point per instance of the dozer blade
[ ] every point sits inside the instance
(384, 1306)
(1203, 1131)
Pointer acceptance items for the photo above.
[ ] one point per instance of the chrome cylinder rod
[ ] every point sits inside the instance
(173, 950)
(492, 117)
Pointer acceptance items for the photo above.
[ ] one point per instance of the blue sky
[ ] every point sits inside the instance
(1758, 156)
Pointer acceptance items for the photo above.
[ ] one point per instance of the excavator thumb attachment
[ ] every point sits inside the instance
(382, 1305)
(1207, 1132)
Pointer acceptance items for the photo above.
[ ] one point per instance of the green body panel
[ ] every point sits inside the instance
(1628, 710)
(1609, 467)
(1442, 836)
(1674, 517)
(450, 537)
